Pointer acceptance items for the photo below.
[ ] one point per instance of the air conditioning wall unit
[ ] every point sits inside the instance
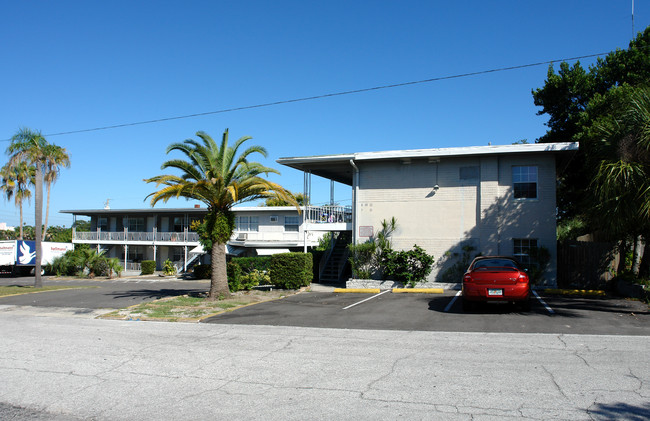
(242, 236)
(275, 218)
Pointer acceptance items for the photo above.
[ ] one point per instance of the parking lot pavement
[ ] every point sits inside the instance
(433, 312)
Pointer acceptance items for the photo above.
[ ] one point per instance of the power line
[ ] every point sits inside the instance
(329, 95)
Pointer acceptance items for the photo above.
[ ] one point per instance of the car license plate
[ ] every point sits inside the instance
(495, 292)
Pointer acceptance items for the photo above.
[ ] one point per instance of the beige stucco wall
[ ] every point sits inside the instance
(480, 212)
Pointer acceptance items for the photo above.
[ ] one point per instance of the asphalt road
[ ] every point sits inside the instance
(104, 294)
(56, 368)
(256, 363)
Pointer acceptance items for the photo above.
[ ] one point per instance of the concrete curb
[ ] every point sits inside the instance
(590, 292)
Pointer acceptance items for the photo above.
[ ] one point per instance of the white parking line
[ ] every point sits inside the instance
(549, 309)
(453, 300)
(369, 298)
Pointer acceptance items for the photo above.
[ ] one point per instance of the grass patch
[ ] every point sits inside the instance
(28, 289)
(191, 309)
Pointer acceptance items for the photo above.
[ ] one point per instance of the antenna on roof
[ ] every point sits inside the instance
(106, 204)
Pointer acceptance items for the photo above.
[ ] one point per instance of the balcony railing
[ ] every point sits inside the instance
(143, 237)
(328, 214)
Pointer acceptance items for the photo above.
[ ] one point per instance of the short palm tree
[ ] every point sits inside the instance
(217, 176)
(16, 180)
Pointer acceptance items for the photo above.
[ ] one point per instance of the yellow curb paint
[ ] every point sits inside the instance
(574, 291)
(418, 290)
(358, 290)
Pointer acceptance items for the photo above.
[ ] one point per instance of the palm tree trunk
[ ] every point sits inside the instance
(38, 227)
(20, 237)
(47, 211)
(219, 276)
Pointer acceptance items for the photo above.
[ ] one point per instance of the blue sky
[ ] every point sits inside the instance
(70, 66)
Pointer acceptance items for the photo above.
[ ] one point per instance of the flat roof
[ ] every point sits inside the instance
(90, 212)
(338, 167)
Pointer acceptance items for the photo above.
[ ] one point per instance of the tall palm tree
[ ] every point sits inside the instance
(29, 146)
(16, 180)
(217, 176)
(55, 157)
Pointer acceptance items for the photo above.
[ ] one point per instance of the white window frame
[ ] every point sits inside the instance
(291, 224)
(247, 223)
(528, 177)
(521, 248)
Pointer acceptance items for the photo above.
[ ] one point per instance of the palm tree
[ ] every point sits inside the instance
(16, 180)
(29, 146)
(55, 157)
(622, 180)
(215, 175)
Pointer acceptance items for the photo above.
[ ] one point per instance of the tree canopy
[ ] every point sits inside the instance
(606, 109)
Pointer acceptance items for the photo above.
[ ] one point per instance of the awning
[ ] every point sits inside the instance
(268, 252)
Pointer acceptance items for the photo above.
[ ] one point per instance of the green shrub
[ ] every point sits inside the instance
(148, 267)
(291, 270)
(362, 259)
(202, 271)
(409, 267)
(169, 268)
(254, 278)
(233, 271)
(100, 266)
(248, 264)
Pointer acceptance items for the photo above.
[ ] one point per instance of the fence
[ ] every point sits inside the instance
(585, 265)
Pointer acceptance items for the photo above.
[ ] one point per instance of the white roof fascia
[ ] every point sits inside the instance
(436, 152)
(469, 150)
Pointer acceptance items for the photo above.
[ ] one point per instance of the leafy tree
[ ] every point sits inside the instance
(217, 176)
(573, 99)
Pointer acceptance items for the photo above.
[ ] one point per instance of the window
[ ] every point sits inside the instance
(524, 181)
(178, 224)
(247, 223)
(468, 173)
(135, 254)
(102, 224)
(136, 224)
(178, 254)
(525, 250)
(291, 223)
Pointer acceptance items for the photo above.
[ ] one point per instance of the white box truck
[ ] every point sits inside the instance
(18, 257)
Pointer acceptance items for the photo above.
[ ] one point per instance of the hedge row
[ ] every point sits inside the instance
(287, 271)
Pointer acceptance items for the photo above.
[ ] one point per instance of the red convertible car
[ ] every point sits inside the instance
(495, 279)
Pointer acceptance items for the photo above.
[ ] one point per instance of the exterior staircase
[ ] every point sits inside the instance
(334, 265)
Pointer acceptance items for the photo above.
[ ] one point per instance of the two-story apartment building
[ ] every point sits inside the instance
(134, 235)
(493, 200)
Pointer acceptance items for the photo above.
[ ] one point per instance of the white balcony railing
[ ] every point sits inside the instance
(328, 214)
(136, 237)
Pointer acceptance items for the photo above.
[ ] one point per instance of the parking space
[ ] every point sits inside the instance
(443, 312)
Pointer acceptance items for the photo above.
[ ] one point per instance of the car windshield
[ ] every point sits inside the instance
(502, 264)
